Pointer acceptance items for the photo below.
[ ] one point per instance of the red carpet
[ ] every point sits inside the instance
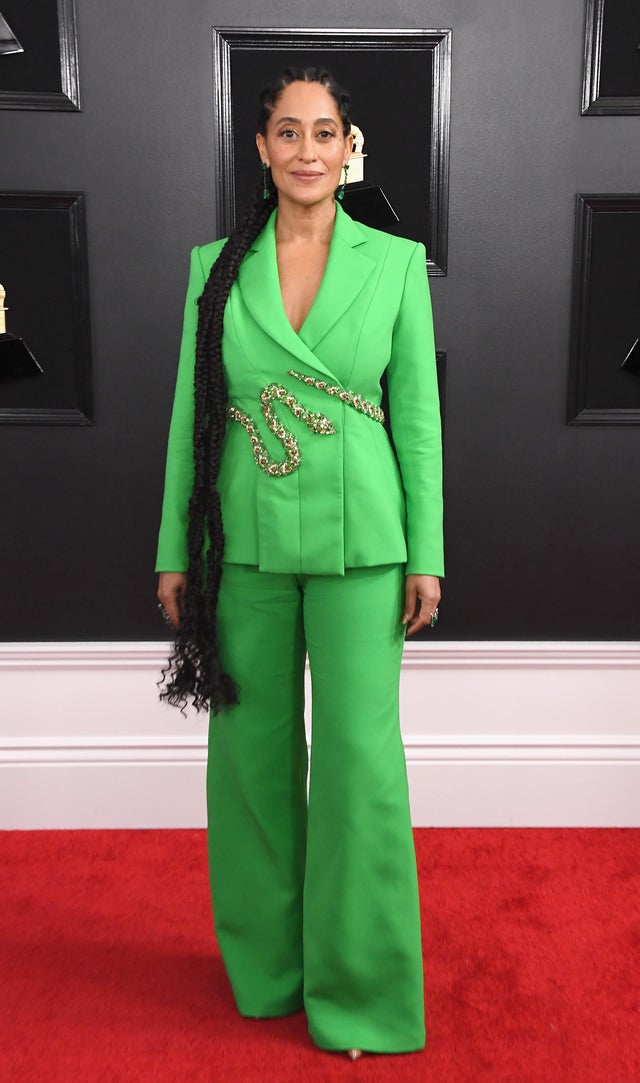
(109, 969)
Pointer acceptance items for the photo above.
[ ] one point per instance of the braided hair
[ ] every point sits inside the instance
(194, 668)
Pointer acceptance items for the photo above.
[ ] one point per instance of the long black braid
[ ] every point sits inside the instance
(194, 669)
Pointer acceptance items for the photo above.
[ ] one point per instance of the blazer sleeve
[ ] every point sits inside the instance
(414, 413)
(172, 553)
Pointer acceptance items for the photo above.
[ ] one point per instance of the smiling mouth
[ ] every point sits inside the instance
(305, 174)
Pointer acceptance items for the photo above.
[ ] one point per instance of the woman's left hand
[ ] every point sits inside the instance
(422, 594)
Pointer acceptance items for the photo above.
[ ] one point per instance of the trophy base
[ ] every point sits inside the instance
(368, 204)
(16, 360)
(631, 362)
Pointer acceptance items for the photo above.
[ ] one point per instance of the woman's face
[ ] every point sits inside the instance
(304, 144)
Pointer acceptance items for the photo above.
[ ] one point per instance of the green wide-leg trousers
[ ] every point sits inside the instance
(316, 901)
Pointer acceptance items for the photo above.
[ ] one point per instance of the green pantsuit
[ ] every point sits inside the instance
(322, 518)
(316, 909)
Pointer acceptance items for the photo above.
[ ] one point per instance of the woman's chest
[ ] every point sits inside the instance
(300, 274)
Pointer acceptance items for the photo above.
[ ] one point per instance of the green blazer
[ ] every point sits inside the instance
(306, 499)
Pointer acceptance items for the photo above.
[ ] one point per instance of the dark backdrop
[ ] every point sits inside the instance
(620, 68)
(542, 526)
(37, 63)
(390, 133)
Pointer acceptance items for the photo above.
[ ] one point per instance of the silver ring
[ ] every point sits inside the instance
(165, 616)
(434, 617)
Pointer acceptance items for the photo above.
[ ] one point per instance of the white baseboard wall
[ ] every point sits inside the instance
(496, 735)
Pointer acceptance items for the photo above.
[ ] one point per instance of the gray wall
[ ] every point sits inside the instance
(542, 526)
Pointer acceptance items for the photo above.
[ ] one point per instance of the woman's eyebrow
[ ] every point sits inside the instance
(297, 120)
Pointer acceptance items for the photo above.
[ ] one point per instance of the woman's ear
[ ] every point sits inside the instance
(262, 148)
(348, 147)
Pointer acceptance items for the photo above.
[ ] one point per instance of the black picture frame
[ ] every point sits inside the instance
(611, 75)
(44, 269)
(45, 74)
(605, 311)
(408, 150)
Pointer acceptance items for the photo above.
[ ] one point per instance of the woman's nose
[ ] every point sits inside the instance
(307, 148)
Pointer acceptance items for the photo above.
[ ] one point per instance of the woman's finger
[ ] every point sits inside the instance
(424, 616)
(410, 600)
(170, 591)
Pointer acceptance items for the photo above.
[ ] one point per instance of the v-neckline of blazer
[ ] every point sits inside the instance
(300, 331)
(347, 269)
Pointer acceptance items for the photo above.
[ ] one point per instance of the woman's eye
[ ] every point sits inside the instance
(288, 133)
(325, 134)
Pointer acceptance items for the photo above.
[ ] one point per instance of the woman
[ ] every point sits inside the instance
(332, 546)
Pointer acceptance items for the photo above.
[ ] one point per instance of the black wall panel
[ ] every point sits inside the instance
(542, 524)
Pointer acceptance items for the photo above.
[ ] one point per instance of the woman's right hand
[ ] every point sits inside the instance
(171, 588)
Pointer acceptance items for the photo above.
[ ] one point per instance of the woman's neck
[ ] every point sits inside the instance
(310, 224)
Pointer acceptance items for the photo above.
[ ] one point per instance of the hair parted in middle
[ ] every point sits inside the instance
(194, 670)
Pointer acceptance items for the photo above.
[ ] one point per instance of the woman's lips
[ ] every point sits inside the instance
(306, 174)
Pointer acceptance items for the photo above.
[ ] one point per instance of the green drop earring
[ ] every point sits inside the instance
(265, 186)
(346, 174)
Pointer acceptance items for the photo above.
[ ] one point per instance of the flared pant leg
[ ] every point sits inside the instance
(363, 973)
(257, 792)
(325, 914)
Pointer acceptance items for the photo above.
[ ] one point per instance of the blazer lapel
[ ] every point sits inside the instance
(260, 288)
(347, 270)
